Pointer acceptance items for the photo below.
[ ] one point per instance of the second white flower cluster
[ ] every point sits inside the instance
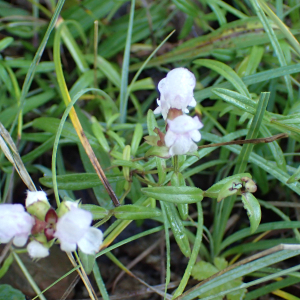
(69, 224)
(176, 94)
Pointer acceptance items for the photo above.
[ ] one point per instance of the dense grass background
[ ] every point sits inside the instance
(106, 58)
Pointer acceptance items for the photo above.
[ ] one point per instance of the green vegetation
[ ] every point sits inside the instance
(78, 90)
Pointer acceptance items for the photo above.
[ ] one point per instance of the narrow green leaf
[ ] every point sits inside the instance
(285, 30)
(245, 103)
(185, 194)
(100, 283)
(274, 41)
(239, 272)
(295, 177)
(136, 139)
(78, 181)
(253, 210)
(125, 67)
(5, 266)
(97, 211)
(87, 260)
(226, 72)
(253, 132)
(183, 208)
(135, 212)
(243, 233)
(4, 43)
(177, 228)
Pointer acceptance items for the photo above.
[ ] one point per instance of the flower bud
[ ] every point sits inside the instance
(66, 206)
(230, 188)
(249, 184)
(37, 249)
(37, 204)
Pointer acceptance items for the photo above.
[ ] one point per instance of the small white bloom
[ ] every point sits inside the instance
(73, 229)
(176, 91)
(36, 196)
(15, 223)
(181, 133)
(37, 250)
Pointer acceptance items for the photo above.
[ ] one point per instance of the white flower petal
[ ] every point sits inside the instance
(197, 123)
(176, 90)
(67, 247)
(181, 146)
(73, 229)
(157, 110)
(193, 147)
(195, 135)
(183, 124)
(72, 226)
(181, 133)
(193, 102)
(91, 241)
(20, 240)
(170, 138)
(33, 197)
(37, 250)
(15, 223)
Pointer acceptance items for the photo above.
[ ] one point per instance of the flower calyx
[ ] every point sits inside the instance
(37, 204)
(241, 186)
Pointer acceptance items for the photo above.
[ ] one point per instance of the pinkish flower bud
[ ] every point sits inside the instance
(176, 91)
(15, 223)
(73, 229)
(181, 133)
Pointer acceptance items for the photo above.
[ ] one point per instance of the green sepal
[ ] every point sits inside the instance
(151, 122)
(39, 209)
(152, 139)
(162, 152)
(230, 188)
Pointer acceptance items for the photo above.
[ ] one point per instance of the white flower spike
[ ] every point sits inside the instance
(15, 223)
(73, 229)
(181, 134)
(176, 91)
